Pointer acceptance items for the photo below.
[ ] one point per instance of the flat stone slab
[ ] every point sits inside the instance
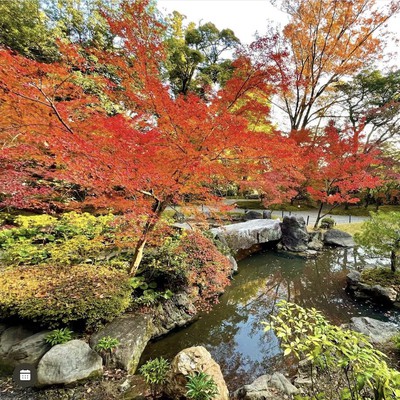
(244, 235)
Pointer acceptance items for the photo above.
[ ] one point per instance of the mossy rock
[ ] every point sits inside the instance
(381, 276)
(55, 295)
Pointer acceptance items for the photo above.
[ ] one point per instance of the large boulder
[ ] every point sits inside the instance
(69, 362)
(267, 387)
(173, 313)
(133, 333)
(377, 331)
(244, 235)
(188, 362)
(335, 237)
(294, 234)
(11, 336)
(29, 350)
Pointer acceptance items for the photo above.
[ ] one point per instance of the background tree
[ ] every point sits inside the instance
(372, 101)
(324, 41)
(24, 27)
(381, 235)
(337, 169)
(196, 55)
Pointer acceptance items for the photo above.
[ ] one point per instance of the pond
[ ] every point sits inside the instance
(233, 332)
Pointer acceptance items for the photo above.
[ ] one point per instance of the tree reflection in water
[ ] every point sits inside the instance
(232, 331)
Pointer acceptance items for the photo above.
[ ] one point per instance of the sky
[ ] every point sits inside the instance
(245, 17)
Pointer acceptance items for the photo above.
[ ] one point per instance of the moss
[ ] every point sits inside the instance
(381, 276)
(54, 295)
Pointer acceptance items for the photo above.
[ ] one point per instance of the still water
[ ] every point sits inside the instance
(233, 332)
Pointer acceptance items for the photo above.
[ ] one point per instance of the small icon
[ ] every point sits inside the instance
(25, 375)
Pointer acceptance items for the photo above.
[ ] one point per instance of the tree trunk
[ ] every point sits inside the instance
(393, 261)
(158, 207)
(318, 216)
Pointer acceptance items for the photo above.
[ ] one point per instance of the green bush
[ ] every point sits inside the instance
(59, 336)
(72, 239)
(53, 295)
(327, 223)
(155, 373)
(106, 346)
(201, 386)
(343, 363)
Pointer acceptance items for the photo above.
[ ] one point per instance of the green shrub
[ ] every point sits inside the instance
(45, 239)
(343, 363)
(155, 373)
(106, 346)
(327, 223)
(186, 260)
(53, 295)
(201, 386)
(59, 336)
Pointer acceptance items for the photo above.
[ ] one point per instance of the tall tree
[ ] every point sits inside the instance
(152, 151)
(337, 168)
(196, 55)
(372, 102)
(324, 41)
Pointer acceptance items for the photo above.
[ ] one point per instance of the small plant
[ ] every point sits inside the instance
(155, 373)
(327, 223)
(106, 346)
(396, 341)
(59, 336)
(201, 386)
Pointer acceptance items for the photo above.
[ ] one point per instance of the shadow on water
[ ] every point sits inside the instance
(233, 332)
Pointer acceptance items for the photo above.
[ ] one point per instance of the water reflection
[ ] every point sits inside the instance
(233, 332)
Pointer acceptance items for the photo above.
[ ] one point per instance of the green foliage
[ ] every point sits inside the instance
(72, 239)
(53, 295)
(145, 294)
(380, 276)
(195, 55)
(59, 336)
(107, 343)
(396, 341)
(201, 386)
(106, 346)
(343, 363)
(155, 373)
(327, 223)
(381, 235)
(24, 28)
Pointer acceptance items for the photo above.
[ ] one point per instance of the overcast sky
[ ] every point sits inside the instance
(244, 17)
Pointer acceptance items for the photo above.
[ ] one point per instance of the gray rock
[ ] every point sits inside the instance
(183, 226)
(316, 241)
(267, 214)
(29, 350)
(189, 361)
(267, 387)
(3, 327)
(173, 313)
(67, 363)
(294, 234)
(386, 293)
(233, 264)
(133, 331)
(11, 336)
(377, 331)
(249, 215)
(335, 237)
(244, 235)
(353, 277)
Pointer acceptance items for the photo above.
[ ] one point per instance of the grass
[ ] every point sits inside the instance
(381, 276)
(352, 228)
